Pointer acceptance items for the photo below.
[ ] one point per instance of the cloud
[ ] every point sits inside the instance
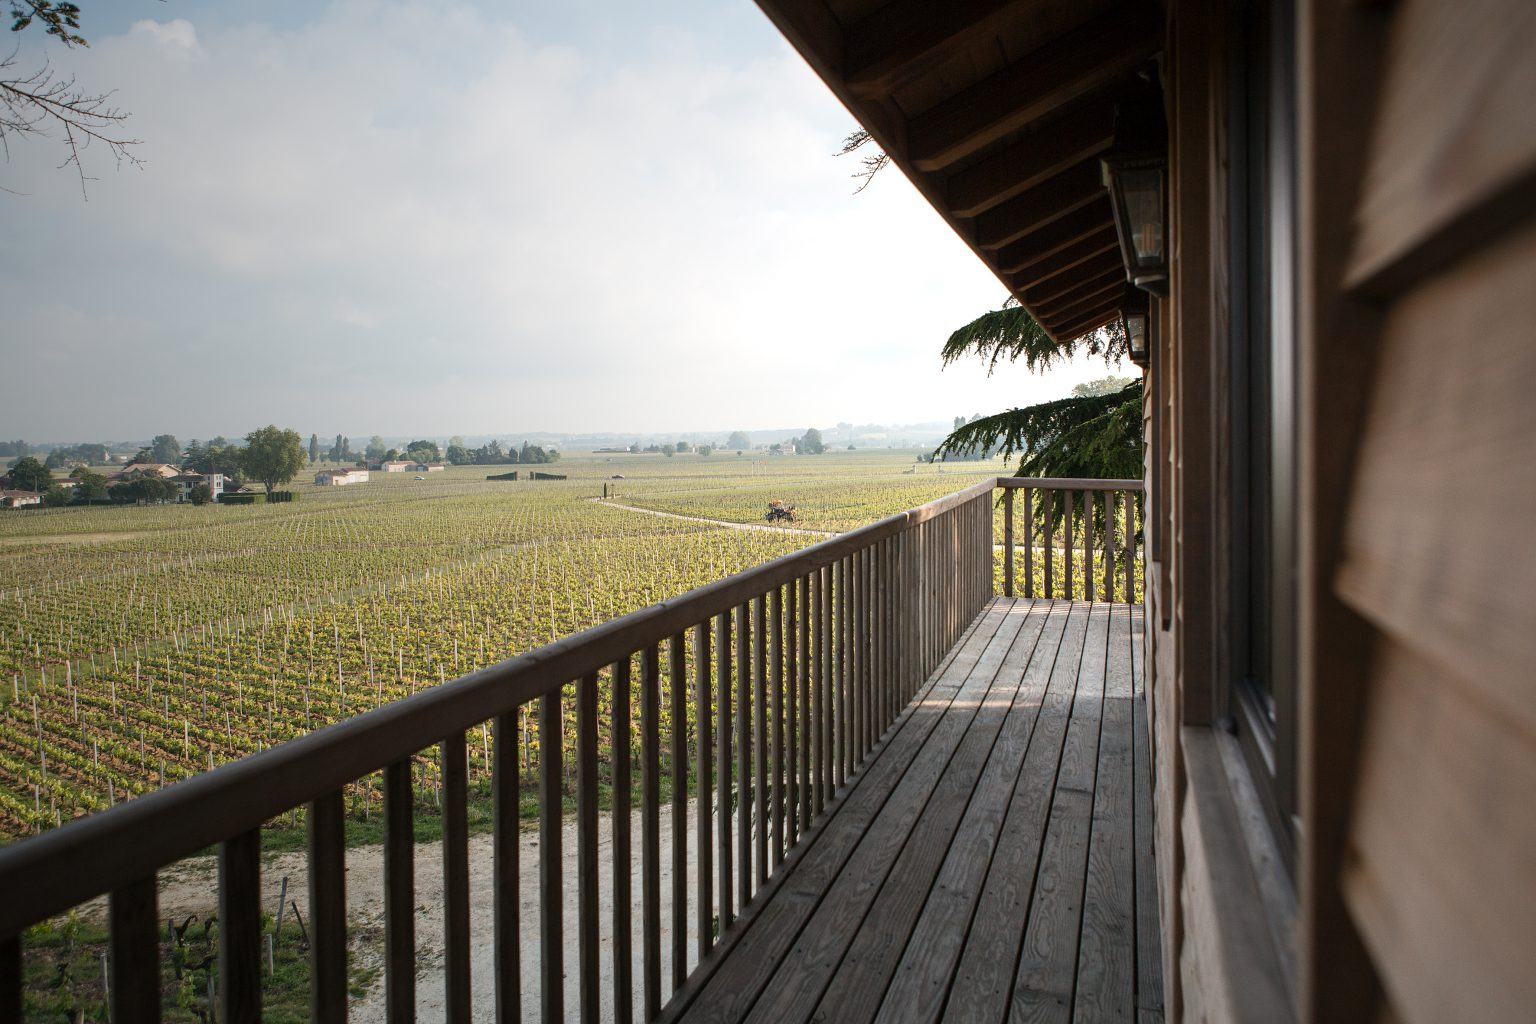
(487, 231)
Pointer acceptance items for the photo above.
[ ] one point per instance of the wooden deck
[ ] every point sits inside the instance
(991, 860)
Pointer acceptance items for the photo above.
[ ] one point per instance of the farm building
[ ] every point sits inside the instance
(341, 477)
(161, 469)
(19, 499)
(394, 466)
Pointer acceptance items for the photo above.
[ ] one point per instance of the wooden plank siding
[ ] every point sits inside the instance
(992, 851)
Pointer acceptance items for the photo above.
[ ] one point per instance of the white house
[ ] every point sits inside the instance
(396, 466)
(340, 477)
(19, 499)
(186, 481)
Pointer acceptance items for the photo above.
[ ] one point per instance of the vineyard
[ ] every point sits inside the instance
(142, 646)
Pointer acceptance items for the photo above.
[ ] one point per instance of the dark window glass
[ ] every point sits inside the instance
(1262, 250)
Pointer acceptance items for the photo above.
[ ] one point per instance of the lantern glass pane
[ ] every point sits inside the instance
(1142, 192)
(1136, 335)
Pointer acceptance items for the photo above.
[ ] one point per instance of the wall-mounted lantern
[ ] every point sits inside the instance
(1136, 174)
(1134, 319)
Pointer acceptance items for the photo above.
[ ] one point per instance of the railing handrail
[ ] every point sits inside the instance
(1068, 483)
(50, 873)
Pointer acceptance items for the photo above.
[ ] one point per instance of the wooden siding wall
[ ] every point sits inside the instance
(1423, 685)
(1221, 948)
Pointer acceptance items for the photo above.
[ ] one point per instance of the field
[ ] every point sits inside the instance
(141, 646)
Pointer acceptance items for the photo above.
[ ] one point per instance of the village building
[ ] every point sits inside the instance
(19, 499)
(341, 477)
(185, 482)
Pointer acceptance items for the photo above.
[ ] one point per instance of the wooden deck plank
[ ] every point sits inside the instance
(725, 989)
(920, 982)
(1106, 961)
(990, 859)
(960, 823)
(802, 973)
(1042, 989)
(849, 966)
(984, 977)
(819, 937)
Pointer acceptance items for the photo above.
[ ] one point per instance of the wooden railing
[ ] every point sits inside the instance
(775, 684)
(1073, 538)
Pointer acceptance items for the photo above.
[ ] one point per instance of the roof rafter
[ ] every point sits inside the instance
(1067, 278)
(1055, 236)
(1043, 154)
(884, 46)
(1074, 65)
(1068, 191)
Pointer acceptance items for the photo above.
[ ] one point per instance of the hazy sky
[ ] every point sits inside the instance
(438, 217)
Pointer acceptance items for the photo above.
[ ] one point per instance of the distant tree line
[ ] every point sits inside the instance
(270, 456)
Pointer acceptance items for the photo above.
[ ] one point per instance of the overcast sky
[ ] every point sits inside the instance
(472, 218)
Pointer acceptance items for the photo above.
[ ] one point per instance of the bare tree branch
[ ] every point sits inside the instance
(44, 104)
(869, 165)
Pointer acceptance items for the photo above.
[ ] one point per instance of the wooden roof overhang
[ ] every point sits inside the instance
(998, 111)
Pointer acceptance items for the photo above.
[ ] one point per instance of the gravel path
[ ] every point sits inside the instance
(191, 887)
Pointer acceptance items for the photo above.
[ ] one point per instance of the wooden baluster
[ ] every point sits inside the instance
(805, 613)
(456, 879)
(10, 980)
(1068, 500)
(240, 929)
(775, 614)
(1131, 554)
(743, 789)
(827, 682)
(1048, 516)
(793, 751)
(762, 694)
(1029, 542)
(134, 943)
(400, 895)
(1109, 545)
(589, 976)
(677, 676)
(814, 701)
(725, 786)
(1088, 588)
(327, 910)
(847, 667)
(704, 704)
(650, 827)
(623, 979)
(865, 648)
(505, 881)
(1007, 542)
(551, 884)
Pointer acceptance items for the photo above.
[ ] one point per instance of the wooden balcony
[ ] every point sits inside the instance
(990, 861)
(856, 786)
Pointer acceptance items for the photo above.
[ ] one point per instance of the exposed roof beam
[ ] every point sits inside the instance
(1048, 267)
(1057, 285)
(884, 47)
(1098, 318)
(1086, 299)
(1068, 191)
(1070, 66)
(1054, 237)
(1080, 287)
(1066, 141)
